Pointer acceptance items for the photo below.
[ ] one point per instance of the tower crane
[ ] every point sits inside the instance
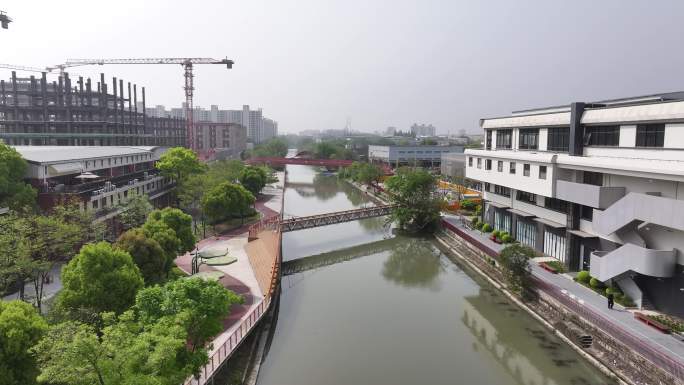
(187, 64)
(21, 68)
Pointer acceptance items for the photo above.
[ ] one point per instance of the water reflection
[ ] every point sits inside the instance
(414, 263)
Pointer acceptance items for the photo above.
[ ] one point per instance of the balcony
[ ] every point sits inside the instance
(629, 257)
(588, 195)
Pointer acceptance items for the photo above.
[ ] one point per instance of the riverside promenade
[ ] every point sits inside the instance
(647, 341)
(251, 276)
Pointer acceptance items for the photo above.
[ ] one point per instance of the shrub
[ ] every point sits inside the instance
(474, 221)
(506, 238)
(479, 225)
(487, 228)
(478, 209)
(583, 276)
(468, 204)
(496, 233)
(595, 283)
(612, 290)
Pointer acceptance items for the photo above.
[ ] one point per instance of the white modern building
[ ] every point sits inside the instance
(426, 156)
(453, 164)
(598, 186)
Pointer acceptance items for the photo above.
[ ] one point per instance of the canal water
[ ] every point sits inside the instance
(378, 309)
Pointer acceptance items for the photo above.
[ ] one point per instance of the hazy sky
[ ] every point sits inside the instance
(312, 63)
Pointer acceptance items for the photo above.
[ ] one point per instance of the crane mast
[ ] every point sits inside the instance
(188, 87)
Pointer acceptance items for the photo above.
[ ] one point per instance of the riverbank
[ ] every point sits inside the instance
(608, 354)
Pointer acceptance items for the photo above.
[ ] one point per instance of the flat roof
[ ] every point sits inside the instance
(55, 154)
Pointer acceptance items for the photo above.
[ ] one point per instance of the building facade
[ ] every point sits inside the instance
(36, 112)
(223, 140)
(424, 156)
(99, 178)
(598, 186)
(423, 130)
(453, 164)
(259, 128)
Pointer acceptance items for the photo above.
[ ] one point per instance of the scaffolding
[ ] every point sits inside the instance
(36, 112)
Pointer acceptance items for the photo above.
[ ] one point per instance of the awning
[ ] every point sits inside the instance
(520, 213)
(497, 205)
(547, 222)
(582, 234)
(65, 168)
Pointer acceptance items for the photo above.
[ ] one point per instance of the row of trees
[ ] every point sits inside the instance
(121, 317)
(361, 172)
(14, 193)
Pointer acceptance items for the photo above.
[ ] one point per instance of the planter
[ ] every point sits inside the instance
(548, 268)
(678, 335)
(651, 322)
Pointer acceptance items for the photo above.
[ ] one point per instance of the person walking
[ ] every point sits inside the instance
(611, 300)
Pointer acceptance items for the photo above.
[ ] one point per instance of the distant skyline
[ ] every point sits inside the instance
(311, 64)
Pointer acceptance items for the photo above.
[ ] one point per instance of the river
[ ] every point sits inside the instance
(396, 310)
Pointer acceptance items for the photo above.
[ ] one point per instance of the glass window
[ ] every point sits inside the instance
(526, 169)
(499, 166)
(558, 139)
(501, 190)
(587, 213)
(556, 204)
(593, 178)
(470, 161)
(502, 222)
(511, 168)
(542, 172)
(488, 142)
(479, 162)
(488, 164)
(602, 136)
(650, 135)
(526, 233)
(528, 139)
(503, 138)
(526, 197)
(554, 245)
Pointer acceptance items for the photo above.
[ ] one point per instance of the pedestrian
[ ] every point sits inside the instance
(611, 301)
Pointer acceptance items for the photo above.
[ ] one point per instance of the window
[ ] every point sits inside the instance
(556, 204)
(528, 139)
(499, 166)
(650, 135)
(592, 178)
(526, 169)
(503, 138)
(602, 136)
(488, 164)
(526, 197)
(558, 139)
(470, 161)
(511, 168)
(501, 190)
(587, 213)
(526, 233)
(542, 172)
(554, 245)
(488, 142)
(479, 162)
(502, 222)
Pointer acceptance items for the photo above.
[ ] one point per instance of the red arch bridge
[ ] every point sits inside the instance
(300, 161)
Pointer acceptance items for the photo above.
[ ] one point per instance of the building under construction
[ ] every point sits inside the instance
(34, 111)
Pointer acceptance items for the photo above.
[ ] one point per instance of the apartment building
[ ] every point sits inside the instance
(423, 130)
(100, 178)
(598, 186)
(221, 140)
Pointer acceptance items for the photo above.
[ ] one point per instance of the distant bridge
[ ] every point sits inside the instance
(300, 161)
(308, 222)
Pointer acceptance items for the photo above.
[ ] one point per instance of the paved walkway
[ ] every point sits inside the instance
(619, 315)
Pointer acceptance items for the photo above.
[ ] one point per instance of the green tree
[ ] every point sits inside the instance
(21, 327)
(134, 211)
(200, 304)
(227, 200)
(147, 254)
(179, 222)
(275, 147)
(515, 259)
(16, 264)
(99, 279)
(414, 190)
(69, 211)
(179, 162)
(253, 179)
(165, 237)
(14, 193)
(124, 352)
